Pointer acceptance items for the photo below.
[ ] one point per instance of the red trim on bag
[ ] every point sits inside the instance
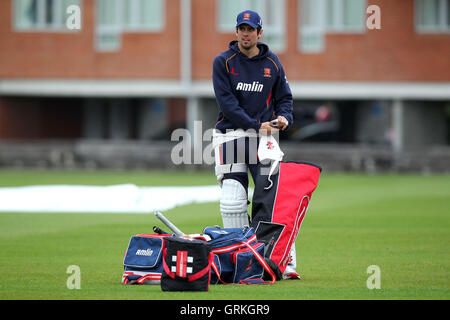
(298, 221)
(264, 264)
(141, 279)
(165, 267)
(148, 277)
(205, 270)
(233, 246)
(233, 257)
(147, 235)
(216, 269)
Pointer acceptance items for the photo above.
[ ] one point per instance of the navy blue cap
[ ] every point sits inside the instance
(249, 17)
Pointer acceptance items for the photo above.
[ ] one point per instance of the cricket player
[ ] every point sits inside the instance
(251, 90)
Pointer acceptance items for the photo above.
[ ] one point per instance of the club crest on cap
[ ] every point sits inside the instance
(249, 17)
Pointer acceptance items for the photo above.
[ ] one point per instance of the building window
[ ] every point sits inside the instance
(345, 15)
(432, 16)
(143, 15)
(273, 15)
(108, 25)
(42, 15)
(318, 17)
(312, 25)
(115, 17)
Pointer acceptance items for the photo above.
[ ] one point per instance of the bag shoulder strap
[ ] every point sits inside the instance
(264, 264)
(250, 281)
(166, 267)
(204, 271)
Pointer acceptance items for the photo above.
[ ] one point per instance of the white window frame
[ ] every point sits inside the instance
(268, 30)
(317, 29)
(440, 27)
(114, 30)
(137, 27)
(58, 25)
(321, 27)
(120, 27)
(338, 25)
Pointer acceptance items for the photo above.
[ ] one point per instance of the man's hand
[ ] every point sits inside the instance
(267, 129)
(282, 123)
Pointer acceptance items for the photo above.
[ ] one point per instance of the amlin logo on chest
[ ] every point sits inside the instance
(254, 87)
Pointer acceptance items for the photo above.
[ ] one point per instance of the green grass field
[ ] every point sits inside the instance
(400, 223)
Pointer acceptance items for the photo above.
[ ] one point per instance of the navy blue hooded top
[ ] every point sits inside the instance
(250, 91)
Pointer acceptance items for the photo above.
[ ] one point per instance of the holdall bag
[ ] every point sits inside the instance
(186, 265)
(278, 211)
(143, 259)
(238, 256)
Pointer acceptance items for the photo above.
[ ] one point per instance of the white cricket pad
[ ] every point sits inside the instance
(233, 204)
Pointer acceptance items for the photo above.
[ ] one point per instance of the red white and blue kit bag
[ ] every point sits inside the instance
(278, 209)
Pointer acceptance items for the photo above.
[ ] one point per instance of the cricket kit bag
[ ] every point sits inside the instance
(238, 256)
(278, 211)
(143, 259)
(186, 265)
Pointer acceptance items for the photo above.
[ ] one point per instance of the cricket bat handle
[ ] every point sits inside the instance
(169, 224)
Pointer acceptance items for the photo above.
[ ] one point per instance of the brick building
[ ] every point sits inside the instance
(137, 69)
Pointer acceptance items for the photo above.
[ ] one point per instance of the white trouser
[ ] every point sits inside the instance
(218, 140)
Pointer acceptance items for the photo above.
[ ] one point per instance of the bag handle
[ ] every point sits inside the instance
(263, 263)
(166, 267)
(204, 271)
(259, 258)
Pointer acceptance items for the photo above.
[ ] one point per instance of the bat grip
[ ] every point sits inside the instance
(159, 231)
